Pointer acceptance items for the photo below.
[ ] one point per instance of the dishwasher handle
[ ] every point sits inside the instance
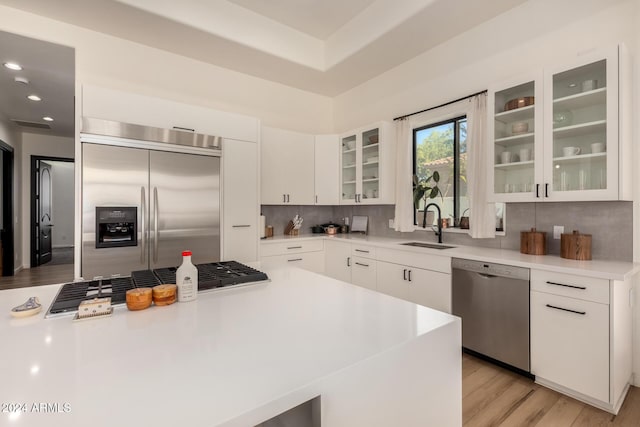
(487, 276)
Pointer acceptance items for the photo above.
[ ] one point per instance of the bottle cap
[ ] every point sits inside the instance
(186, 253)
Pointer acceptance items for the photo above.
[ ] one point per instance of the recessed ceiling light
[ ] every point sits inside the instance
(34, 98)
(47, 119)
(13, 66)
(22, 80)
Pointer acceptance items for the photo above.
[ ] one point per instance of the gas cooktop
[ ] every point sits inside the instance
(211, 276)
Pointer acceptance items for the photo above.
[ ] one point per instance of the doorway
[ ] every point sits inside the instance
(6, 210)
(51, 210)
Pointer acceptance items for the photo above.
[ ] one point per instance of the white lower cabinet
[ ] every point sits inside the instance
(581, 339)
(305, 254)
(363, 272)
(570, 343)
(338, 260)
(428, 288)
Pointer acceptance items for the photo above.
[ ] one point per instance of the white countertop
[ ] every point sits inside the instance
(611, 270)
(209, 362)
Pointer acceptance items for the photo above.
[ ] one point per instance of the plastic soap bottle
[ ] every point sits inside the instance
(187, 279)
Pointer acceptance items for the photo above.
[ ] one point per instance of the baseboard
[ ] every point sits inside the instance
(605, 406)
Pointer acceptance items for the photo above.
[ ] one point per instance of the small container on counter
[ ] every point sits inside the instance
(164, 294)
(575, 246)
(139, 298)
(533, 242)
(187, 279)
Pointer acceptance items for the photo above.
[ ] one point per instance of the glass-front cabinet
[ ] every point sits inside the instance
(366, 166)
(557, 135)
(515, 132)
(581, 131)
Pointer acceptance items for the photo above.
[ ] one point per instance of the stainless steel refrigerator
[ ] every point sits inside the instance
(142, 207)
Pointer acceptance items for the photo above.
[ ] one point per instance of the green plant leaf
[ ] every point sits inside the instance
(435, 176)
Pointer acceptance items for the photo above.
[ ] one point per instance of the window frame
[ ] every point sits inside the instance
(456, 158)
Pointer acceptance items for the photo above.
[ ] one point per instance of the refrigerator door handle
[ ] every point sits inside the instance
(143, 206)
(155, 224)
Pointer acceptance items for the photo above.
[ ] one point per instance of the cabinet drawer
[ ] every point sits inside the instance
(311, 261)
(569, 285)
(291, 247)
(363, 251)
(571, 348)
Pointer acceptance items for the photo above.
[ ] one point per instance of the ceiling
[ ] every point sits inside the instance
(321, 46)
(49, 68)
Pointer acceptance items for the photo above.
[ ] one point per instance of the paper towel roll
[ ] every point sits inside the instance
(263, 226)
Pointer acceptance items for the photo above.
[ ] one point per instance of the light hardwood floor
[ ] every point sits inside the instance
(492, 396)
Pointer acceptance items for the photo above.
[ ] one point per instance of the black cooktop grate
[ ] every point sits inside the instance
(210, 276)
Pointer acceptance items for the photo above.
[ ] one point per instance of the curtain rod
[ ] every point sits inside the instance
(441, 105)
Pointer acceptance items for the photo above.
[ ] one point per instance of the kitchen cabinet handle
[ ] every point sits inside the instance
(288, 198)
(362, 265)
(294, 247)
(362, 250)
(566, 309)
(348, 261)
(316, 198)
(404, 274)
(537, 191)
(241, 226)
(156, 237)
(409, 275)
(284, 198)
(546, 190)
(567, 286)
(143, 209)
(181, 128)
(295, 259)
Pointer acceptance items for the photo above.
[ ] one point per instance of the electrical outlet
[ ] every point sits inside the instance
(557, 231)
(392, 223)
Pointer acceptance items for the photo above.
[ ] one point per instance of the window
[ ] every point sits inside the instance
(442, 148)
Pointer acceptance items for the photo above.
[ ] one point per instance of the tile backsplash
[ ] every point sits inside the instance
(609, 223)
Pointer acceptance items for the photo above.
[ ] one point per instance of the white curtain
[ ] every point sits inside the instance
(404, 176)
(482, 215)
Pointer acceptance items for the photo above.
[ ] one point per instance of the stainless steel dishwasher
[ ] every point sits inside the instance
(493, 302)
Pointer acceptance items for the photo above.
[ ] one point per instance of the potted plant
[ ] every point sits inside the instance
(424, 189)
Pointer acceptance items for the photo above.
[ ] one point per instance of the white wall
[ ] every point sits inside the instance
(38, 145)
(62, 199)
(115, 63)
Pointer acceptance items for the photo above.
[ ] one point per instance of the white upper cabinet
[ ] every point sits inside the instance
(125, 107)
(327, 169)
(562, 134)
(367, 165)
(287, 167)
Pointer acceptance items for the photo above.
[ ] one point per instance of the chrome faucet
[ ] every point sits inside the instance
(424, 220)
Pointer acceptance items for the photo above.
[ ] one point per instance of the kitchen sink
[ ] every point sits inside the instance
(427, 245)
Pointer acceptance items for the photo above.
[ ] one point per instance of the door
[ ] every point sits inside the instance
(184, 208)
(327, 173)
(43, 212)
(114, 177)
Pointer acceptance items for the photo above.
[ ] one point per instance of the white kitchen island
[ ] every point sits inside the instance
(235, 357)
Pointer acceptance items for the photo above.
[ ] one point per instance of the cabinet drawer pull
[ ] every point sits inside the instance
(295, 259)
(409, 275)
(567, 286)
(348, 261)
(362, 250)
(294, 247)
(404, 274)
(566, 309)
(181, 128)
(362, 265)
(241, 226)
